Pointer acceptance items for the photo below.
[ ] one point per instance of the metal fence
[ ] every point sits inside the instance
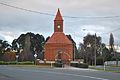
(112, 63)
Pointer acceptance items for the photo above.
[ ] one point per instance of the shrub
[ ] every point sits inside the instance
(11, 63)
(14, 63)
(25, 63)
(82, 65)
(9, 56)
(79, 65)
(99, 60)
(2, 63)
(74, 64)
(58, 64)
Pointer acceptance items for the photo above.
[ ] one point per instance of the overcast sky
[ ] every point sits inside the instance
(91, 15)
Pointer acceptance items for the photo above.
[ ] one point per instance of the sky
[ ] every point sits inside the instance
(85, 16)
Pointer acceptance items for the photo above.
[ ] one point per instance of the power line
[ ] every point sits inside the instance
(89, 17)
(24, 9)
(43, 13)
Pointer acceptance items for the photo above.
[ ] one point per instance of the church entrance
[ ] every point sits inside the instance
(62, 58)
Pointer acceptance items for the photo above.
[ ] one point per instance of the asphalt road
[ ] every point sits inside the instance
(36, 73)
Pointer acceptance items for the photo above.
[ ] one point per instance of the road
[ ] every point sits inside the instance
(36, 73)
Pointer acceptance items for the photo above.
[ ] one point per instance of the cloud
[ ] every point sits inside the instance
(11, 34)
(14, 21)
(2, 38)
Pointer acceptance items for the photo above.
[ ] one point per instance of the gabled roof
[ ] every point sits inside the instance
(60, 38)
(58, 15)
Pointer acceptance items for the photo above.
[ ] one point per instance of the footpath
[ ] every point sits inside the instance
(75, 68)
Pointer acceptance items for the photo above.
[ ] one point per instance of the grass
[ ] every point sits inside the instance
(114, 66)
(26, 64)
(37, 66)
(101, 69)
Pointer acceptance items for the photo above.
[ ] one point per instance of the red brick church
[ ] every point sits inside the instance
(58, 45)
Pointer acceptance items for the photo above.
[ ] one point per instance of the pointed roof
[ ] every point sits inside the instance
(60, 38)
(58, 15)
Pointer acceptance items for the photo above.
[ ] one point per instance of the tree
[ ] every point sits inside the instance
(14, 45)
(37, 45)
(47, 38)
(3, 47)
(9, 55)
(30, 43)
(91, 45)
(81, 51)
(111, 43)
(105, 53)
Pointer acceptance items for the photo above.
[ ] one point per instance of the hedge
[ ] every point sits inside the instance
(25, 63)
(18, 63)
(99, 60)
(44, 64)
(58, 64)
(79, 65)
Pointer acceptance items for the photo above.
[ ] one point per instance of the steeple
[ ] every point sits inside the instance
(58, 22)
(58, 15)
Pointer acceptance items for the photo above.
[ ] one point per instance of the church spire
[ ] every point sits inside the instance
(58, 22)
(58, 15)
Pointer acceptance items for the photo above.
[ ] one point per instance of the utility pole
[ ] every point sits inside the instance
(95, 50)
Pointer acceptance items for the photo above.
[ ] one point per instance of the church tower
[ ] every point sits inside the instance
(58, 46)
(58, 22)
